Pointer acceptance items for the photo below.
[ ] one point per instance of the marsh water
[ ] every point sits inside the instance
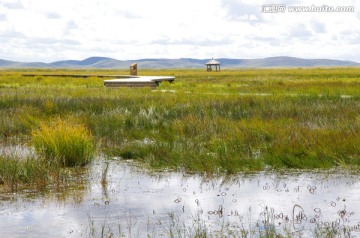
(133, 201)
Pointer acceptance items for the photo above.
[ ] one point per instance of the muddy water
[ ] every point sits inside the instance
(132, 201)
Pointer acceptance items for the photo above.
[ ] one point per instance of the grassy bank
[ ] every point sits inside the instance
(209, 122)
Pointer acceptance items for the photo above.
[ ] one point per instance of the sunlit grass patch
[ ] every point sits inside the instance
(64, 142)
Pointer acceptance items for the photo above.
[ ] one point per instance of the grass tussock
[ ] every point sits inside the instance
(64, 142)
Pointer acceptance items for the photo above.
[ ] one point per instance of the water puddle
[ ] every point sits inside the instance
(126, 200)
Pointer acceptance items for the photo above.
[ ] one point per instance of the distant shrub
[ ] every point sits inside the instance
(64, 142)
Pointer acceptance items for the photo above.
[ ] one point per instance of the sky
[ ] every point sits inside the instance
(52, 30)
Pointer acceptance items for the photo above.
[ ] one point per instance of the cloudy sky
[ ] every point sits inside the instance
(50, 30)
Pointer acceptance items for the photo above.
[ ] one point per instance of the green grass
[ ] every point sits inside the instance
(15, 172)
(35, 174)
(235, 120)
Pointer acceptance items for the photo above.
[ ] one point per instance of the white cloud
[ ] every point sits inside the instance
(64, 29)
(12, 4)
(318, 27)
(3, 11)
(53, 15)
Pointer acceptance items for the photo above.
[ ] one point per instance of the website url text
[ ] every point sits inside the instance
(282, 8)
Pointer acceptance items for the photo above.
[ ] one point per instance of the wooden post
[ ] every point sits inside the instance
(133, 69)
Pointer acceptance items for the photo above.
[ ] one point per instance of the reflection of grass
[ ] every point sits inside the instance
(66, 143)
(228, 121)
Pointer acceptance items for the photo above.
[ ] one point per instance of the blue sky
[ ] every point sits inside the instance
(40, 30)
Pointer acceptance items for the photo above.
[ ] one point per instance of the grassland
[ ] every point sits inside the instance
(235, 120)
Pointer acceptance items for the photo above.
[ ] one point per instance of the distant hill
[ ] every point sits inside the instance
(103, 62)
(13, 64)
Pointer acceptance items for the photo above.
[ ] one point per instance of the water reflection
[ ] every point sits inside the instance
(123, 198)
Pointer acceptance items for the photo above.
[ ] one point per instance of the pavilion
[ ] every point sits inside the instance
(212, 63)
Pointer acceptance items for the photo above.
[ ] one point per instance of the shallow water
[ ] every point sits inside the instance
(11, 150)
(133, 201)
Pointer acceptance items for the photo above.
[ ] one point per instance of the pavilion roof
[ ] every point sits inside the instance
(213, 62)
